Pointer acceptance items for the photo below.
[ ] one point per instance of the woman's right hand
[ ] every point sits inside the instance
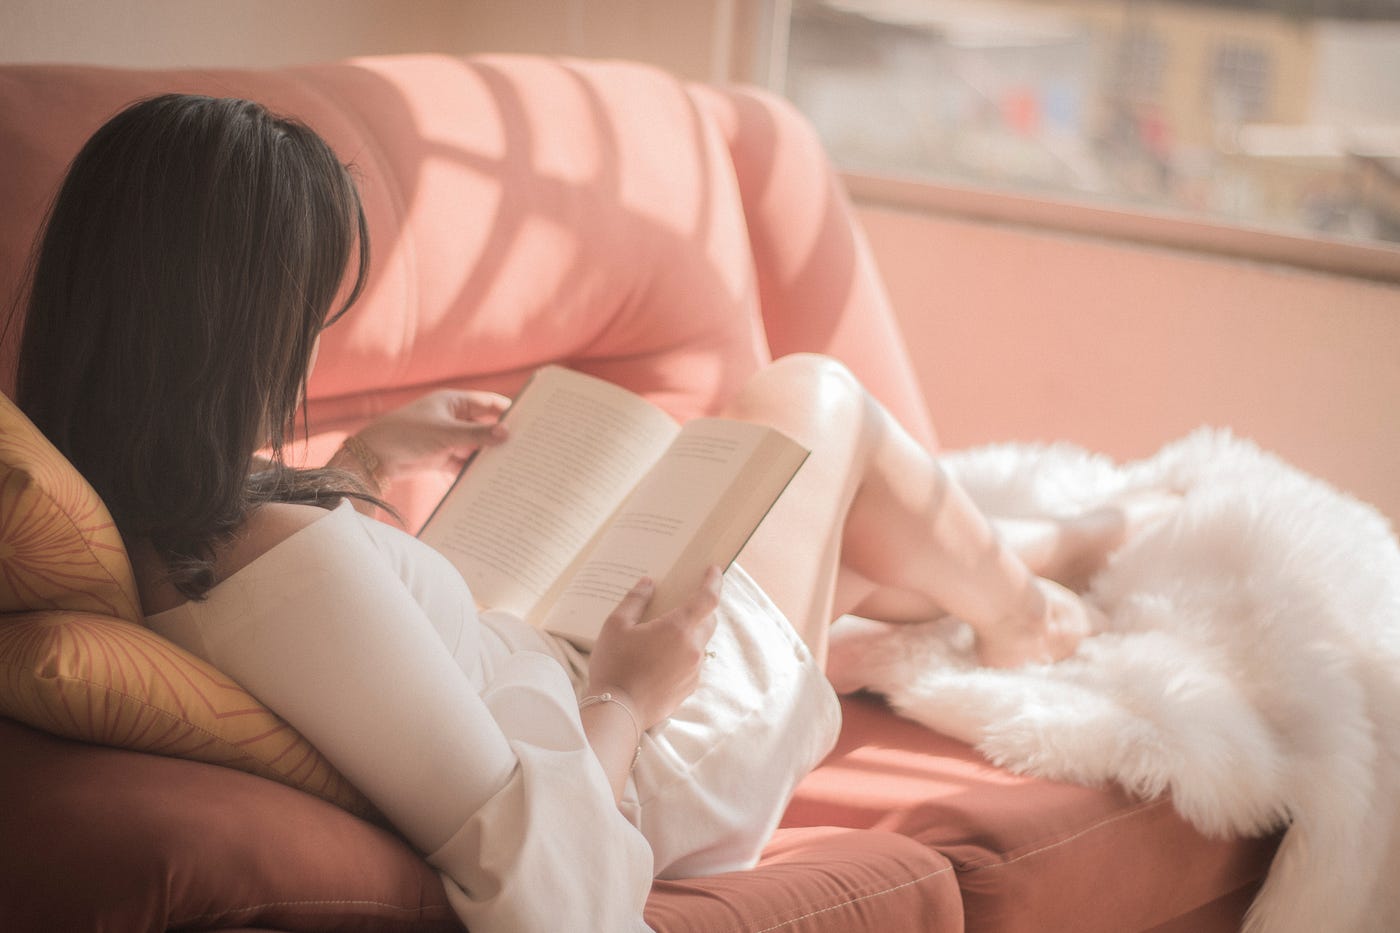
(652, 666)
(436, 431)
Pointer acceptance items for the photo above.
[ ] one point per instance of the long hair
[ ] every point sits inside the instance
(189, 262)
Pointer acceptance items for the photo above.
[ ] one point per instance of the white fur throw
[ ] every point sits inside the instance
(1251, 667)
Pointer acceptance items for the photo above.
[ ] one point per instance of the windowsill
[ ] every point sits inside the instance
(1355, 259)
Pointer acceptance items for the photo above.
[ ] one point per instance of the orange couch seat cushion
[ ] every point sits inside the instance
(1030, 854)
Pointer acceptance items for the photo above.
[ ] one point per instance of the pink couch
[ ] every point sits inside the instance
(666, 236)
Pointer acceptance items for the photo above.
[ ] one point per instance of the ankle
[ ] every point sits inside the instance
(1050, 633)
(1028, 615)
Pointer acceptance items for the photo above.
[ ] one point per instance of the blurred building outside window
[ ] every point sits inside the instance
(1274, 114)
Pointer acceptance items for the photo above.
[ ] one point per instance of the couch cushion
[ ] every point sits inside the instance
(102, 680)
(587, 206)
(522, 211)
(816, 880)
(1031, 855)
(58, 546)
(527, 210)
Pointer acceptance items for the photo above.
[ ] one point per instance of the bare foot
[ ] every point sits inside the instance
(1089, 538)
(1067, 620)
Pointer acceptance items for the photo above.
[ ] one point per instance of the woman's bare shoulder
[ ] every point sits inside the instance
(265, 528)
(268, 526)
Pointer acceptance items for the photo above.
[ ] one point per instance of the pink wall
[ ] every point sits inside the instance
(1029, 335)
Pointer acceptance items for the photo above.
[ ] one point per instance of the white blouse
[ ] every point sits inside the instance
(476, 753)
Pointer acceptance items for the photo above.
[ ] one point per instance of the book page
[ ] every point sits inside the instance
(696, 507)
(521, 511)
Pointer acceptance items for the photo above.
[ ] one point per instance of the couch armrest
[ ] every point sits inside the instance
(818, 286)
(104, 838)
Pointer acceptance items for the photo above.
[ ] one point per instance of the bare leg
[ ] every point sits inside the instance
(1067, 551)
(1071, 550)
(873, 521)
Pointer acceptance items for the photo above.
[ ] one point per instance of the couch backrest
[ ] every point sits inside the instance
(526, 210)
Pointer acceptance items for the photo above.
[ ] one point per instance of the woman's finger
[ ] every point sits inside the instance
(492, 433)
(635, 602)
(706, 598)
(470, 406)
(463, 439)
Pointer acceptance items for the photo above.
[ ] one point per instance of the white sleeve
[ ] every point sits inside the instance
(501, 789)
(554, 876)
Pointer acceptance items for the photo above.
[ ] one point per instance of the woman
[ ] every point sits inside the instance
(193, 255)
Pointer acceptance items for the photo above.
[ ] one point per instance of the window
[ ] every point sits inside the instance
(1241, 84)
(1276, 114)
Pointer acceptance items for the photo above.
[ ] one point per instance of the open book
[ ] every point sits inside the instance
(596, 487)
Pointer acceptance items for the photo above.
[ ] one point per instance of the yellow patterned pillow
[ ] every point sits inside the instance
(99, 679)
(58, 546)
(75, 662)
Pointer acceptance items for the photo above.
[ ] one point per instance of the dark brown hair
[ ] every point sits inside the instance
(189, 262)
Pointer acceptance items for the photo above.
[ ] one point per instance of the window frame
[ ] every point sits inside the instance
(767, 21)
(1351, 258)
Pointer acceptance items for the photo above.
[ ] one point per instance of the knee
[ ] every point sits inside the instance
(806, 361)
(805, 381)
(815, 371)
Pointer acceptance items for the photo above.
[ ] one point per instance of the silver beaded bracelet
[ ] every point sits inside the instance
(594, 700)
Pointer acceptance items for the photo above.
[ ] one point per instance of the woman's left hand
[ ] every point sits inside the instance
(438, 431)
